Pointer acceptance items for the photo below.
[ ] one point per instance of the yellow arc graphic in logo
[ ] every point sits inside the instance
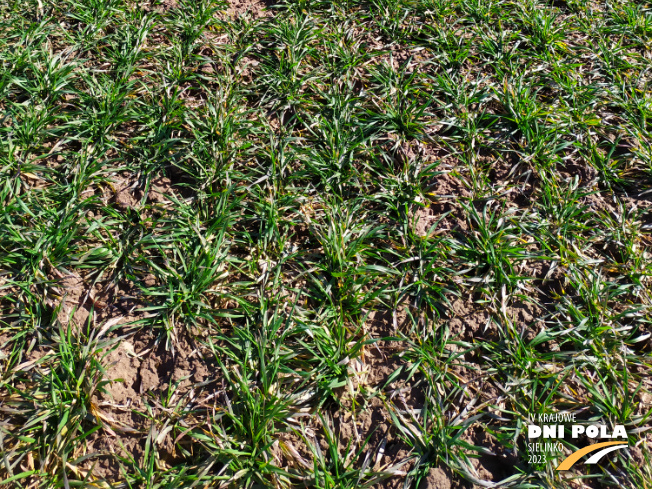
(574, 457)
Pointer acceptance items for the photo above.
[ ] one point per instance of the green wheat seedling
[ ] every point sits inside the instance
(358, 243)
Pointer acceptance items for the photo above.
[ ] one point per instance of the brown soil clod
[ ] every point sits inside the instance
(437, 478)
